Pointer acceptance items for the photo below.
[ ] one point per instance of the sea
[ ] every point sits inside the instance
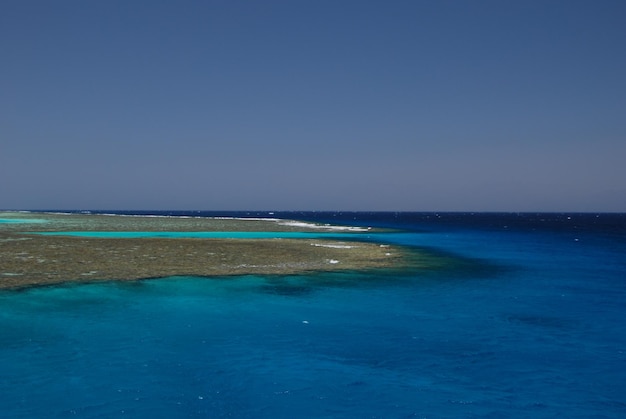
(531, 324)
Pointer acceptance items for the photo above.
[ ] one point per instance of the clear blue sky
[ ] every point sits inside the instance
(313, 105)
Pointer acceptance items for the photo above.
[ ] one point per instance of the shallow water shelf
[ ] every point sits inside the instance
(20, 220)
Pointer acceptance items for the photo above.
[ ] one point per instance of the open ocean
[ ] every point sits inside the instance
(532, 324)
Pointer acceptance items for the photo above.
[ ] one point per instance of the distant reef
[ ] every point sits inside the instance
(28, 258)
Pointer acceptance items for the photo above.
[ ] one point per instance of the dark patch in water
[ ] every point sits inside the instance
(539, 321)
(428, 261)
(286, 289)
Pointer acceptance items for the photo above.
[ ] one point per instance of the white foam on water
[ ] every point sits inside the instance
(334, 246)
(245, 218)
(294, 223)
(323, 227)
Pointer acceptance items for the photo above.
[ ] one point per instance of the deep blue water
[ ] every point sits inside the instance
(532, 324)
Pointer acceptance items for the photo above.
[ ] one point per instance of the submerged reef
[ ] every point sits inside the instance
(28, 258)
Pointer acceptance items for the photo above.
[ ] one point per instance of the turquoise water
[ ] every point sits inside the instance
(20, 220)
(532, 326)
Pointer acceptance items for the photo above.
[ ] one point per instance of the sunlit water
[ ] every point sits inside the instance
(533, 325)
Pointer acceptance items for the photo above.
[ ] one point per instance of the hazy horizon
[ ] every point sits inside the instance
(117, 211)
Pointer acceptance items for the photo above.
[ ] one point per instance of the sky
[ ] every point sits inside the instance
(418, 105)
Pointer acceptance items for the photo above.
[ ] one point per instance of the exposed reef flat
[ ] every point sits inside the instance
(29, 259)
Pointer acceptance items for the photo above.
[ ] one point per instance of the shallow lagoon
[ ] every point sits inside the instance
(20, 220)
